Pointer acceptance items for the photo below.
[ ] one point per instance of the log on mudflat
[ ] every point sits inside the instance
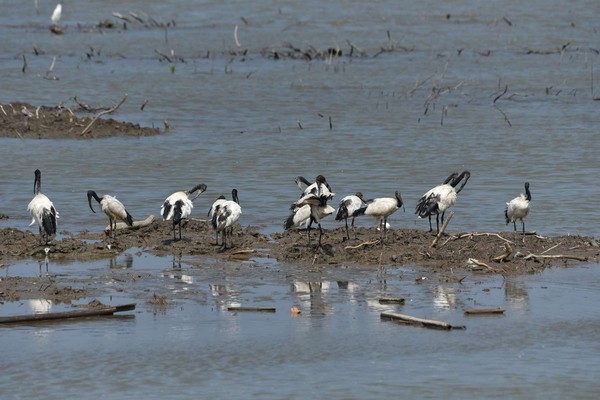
(136, 224)
(92, 312)
(426, 323)
(251, 309)
(484, 311)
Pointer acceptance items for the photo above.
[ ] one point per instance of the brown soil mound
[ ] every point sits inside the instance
(21, 120)
(506, 253)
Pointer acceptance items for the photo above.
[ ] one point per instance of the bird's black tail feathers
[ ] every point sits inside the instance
(49, 222)
(177, 212)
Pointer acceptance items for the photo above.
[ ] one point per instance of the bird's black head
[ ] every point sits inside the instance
(91, 194)
(234, 196)
(399, 200)
(201, 188)
(37, 182)
(527, 192)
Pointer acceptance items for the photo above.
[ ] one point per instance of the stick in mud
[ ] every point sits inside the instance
(110, 110)
(484, 311)
(441, 232)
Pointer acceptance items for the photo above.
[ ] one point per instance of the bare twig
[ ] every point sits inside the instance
(110, 110)
(504, 114)
(368, 243)
(501, 94)
(24, 69)
(426, 323)
(473, 234)
(561, 256)
(507, 253)
(551, 248)
(235, 36)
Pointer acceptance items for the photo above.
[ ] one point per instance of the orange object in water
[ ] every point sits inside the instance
(295, 311)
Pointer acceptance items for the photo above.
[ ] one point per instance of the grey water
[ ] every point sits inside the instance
(400, 120)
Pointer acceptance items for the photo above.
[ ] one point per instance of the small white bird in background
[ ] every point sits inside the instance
(440, 198)
(42, 210)
(381, 209)
(113, 208)
(56, 14)
(55, 18)
(518, 208)
(178, 206)
(348, 205)
(226, 214)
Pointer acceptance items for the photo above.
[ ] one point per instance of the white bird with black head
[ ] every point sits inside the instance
(42, 210)
(178, 206)
(348, 205)
(113, 208)
(224, 215)
(518, 208)
(380, 209)
(438, 199)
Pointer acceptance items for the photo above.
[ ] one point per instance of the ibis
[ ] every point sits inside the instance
(42, 210)
(178, 206)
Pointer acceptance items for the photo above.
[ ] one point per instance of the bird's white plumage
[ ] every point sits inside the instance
(56, 14)
(113, 208)
(301, 215)
(39, 205)
(186, 209)
(227, 214)
(382, 208)
(517, 208)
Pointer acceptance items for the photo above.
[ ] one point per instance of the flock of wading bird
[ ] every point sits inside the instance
(311, 207)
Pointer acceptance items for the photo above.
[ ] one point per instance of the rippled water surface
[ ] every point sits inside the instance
(400, 120)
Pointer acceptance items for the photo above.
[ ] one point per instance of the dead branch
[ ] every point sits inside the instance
(501, 94)
(441, 232)
(484, 311)
(252, 309)
(507, 252)
(354, 47)
(503, 114)
(536, 257)
(368, 243)
(136, 224)
(551, 248)
(242, 251)
(474, 261)
(101, 113)
(473, 234)
(426, 323)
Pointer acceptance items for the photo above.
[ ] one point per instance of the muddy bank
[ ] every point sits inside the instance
(22, 120)
(455, 255)
(504, 252)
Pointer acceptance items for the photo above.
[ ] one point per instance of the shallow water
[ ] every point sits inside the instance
(545, 345)
(236, 123)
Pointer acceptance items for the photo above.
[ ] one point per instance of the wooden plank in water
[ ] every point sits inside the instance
(94, 312)
(391, 300)
(426, 323)
(484, 311)
(251, 309)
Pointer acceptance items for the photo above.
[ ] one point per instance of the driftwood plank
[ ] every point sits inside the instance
(391, 300)
(252, 309)
(67, 314)
(426, 323)
(484, 311)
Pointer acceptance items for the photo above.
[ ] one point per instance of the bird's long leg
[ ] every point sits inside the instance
(430, 227)
(320, 233)
(347, 234)
(179, 230)
(308, 229)
(515, 224)
(174, 230)
(231, 237)
(437, 221)
(523, 226)
(353, 230)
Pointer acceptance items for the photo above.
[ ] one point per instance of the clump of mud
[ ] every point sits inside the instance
(22, 120)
